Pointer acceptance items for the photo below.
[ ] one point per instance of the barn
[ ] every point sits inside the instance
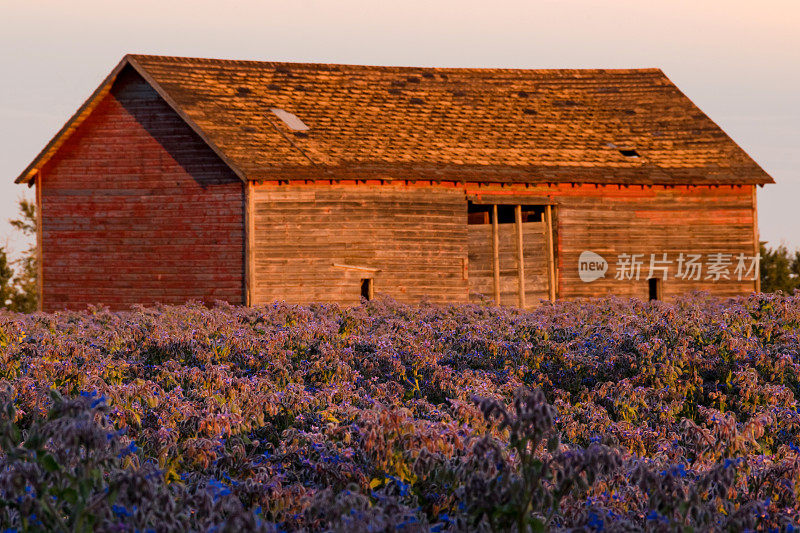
(250, 182)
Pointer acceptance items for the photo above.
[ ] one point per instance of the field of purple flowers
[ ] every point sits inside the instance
(605, 415)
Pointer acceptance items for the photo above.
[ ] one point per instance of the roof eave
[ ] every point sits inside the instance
(600, 175)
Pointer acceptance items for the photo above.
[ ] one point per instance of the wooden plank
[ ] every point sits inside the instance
(495, 255)
(610, 220)
(509, 199)
(370, 288)
(697, 220)
(520, 255)
(481, 262)
(411, 241)
(551, 274)
(357, 268)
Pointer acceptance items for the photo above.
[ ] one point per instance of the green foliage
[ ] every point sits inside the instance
(62, 491)
(19, 286)
(27, 221)
(530, 493)
(70, 471)
(780, 269)
(6, 275)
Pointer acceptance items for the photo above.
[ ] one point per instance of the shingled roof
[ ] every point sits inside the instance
(628, 126)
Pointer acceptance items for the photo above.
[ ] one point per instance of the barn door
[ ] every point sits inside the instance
(508, 254)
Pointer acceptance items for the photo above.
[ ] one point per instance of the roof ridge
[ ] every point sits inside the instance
(317, 65)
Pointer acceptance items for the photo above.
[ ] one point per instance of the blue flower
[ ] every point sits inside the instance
(120, 511)
(217, 489)
(130, 449)
(401, 485)
(595, 522)
(654, 515)
(97, 402)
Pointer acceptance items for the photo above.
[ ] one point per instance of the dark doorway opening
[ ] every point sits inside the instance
(367, 289)
(482, 213)
(654, 288)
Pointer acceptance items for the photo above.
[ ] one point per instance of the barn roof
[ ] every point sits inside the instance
(625, 126)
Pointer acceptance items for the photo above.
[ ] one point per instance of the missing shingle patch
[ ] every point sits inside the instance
(291, 120)
(629, 152)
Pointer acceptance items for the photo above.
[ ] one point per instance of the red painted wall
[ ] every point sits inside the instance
(137, 209)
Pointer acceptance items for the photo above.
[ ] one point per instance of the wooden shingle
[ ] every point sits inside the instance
(488, 125)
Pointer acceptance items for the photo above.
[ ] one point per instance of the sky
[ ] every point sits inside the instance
(739, 61)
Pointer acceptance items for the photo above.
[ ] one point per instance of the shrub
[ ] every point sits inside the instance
(598, 415)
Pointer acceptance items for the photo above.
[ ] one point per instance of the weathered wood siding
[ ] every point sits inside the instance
(481, 281)
(614, 220)
(306, 237)
(657, 220)
(137, 209)
(535, 260)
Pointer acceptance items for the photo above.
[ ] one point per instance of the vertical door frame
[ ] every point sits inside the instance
(551, 270)
(496, 255)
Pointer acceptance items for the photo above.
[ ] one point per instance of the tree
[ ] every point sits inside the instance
(7, 290)
(20, 292)
(780, 269)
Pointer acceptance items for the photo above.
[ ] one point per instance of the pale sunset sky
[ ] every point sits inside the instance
(739, 61)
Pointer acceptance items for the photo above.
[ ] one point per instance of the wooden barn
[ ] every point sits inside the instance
(252, 182)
